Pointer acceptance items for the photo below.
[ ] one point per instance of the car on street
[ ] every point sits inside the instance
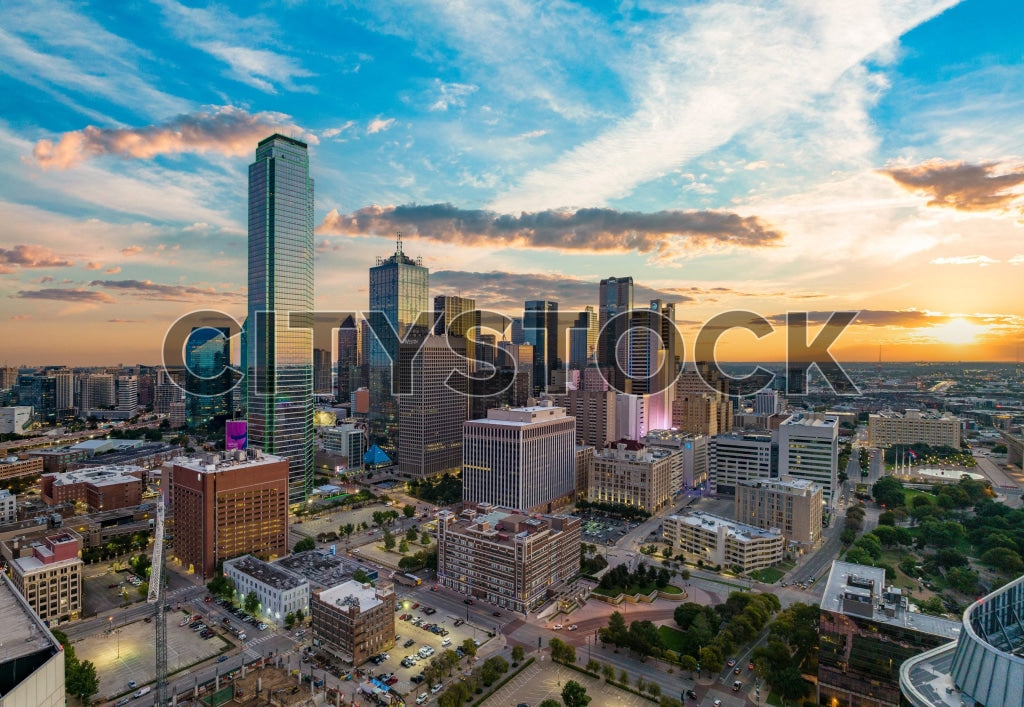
(573, 627)
(435, 689)
(737, 670)
(417, 679)
(422, 698)
(496, 613)
(736, 686)
(691, 695)
(731, 662)
(132, 684)
(222, 659)
(750, 666)
(391, 680)
(122, 702)
(467, 601)
(409, 643)
(718, 703)
(556, 627)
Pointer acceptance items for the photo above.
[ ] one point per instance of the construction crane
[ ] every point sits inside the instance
(157, 596)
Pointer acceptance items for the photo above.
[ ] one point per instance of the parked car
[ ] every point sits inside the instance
(422, 698)
(467, 601)
(573, 627)
(496, 613)
(417, 679)
(436, 689)
(222, 659)
(409, 643)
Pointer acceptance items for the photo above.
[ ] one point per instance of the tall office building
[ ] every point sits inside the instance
(809, 449)
(583, 338)
(322, 384)
(457, 316)
(279, 345)
(766, 402)
(399, 299)
(207, 356)
(65, 392)
(349, 353)
(128, 394)
(594, 411)
(432, 404)
(540, 326)
(701, 403)
(654, 360)
(40, 392)
(520, 458)
(616, 297)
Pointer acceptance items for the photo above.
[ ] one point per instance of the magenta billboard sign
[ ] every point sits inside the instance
(235, 434)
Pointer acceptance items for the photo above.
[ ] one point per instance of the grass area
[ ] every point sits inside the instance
(673, 638)
(768, 575)
(671, 589)
(630, 590)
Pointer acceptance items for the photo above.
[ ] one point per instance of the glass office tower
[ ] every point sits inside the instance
(540, 326)
(399, 298)
(279, 345)
(207, 357)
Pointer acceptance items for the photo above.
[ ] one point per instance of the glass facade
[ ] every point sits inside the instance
(540, 327)
(399, 298)
(207, 356)
(279, 344)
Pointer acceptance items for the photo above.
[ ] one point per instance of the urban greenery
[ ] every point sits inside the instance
(618, 510)
(441, 492)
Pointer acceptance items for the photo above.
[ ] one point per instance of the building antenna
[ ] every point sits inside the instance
(398, 243)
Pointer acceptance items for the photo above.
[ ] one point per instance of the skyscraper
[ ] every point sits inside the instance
(616, 297)
(809, 449)
(207, 356)
(349, 354)
(399, 297)
(540, 326)
(279, 347)
(583, 338)
(457, 316)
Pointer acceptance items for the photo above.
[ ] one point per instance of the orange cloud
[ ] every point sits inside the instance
(30, 256)
(225, 130)
(959, 185)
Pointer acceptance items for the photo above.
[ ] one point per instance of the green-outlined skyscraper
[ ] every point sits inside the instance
(279, 345)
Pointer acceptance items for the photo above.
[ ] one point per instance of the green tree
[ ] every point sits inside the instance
(252, 603)
(616, 632)
(608, 671)
(623, 677)
(1003, 559)
(550, 703)
(468, 647)
(688, 663)
(304, 545)
(711, 659)
(644, 638)
(789, 683)
(518, 654)
(81, 681)
(888, 491)
(593, 666)
(574, 695)
(347, 529)
(403, 547)
(389, 540)
(409, 511)
(411, 534)
(425, 538)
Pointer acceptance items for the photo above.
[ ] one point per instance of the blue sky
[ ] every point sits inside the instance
(769, 156)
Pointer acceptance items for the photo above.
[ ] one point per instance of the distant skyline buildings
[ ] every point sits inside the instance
(280, 352)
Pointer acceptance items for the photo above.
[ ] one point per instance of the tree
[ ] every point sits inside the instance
(644, 638)
(688, 663)
(550, 703)
(574, 695)
(304, 545)
(593, 666)
(81, 680)
(616, 632)
(518, 654)
(361, 576)
(425, 538)
(789, 683)
(252, 603)
(1003, 559)
(409, 511)
(403, 547)
(561, 651)
(468, 647)
(847, 536)
(289, 620)
(300, 616)
(711, 659)
(608, 671)
(888, 492)
(623, 677)
(654, 689)
(389, 540)
(221, 586)
(411, 534)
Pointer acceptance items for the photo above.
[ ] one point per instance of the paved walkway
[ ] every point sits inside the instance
(544, 680)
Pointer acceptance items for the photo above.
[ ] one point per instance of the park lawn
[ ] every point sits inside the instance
(671, 589)
(768, 575)
(630, 590)
(673, 638)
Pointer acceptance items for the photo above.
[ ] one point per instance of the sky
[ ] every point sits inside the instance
(766, 156)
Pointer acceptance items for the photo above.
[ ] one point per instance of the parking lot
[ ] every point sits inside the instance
(128, 653)
(407, 630)
(601, 530)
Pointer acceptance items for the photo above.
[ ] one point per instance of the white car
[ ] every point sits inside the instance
(422, 698)
(436, 689)
(556, 627)
(573, 627)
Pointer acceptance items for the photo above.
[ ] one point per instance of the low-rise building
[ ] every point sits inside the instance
(101, 488)
(32, 660)
(930, 427)
(279, 591)
(15, 419)
(346, 440)
(354, 621)
(712, 540)
(504, 557)
(794, 506)
(48, 573)
(8, 507)
(13, 467)
(632, 474)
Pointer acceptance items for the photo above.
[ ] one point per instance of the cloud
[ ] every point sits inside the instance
(67, 295)
(902, 318)
(530, 135)
(451, 94)
(132, 250)
(1016, 260)
(20, 317)
(508, 291)
(223, 130)
(258, 68)
(30, 256)
(593, 230)
(959, 185)
(124, 321)
(93, 265)
(981, 260)
(378, 125)
(334, 132)
(113, 270)
(707, 73)
(147, 289)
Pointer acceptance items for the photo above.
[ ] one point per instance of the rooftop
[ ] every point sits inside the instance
(796, 486)
(860, 590)
(99, 476)
(352, 593)
(24, 633)
(741, 531)
(826, 421)
(234, 459)
(320, 568)
(266, 573)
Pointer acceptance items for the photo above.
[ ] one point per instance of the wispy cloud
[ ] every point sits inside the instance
(147, 289)
(224, 130)
(1016, 260)
(30, 256)
(378, 125)
(961, 186)
(595, 230)
(336, 131)
(132, 250)
(450, 94)
(981, 260)
(67, 295)
(235, 41)
(691, 95)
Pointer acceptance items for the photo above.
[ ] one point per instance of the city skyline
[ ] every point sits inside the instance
(772, 159)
